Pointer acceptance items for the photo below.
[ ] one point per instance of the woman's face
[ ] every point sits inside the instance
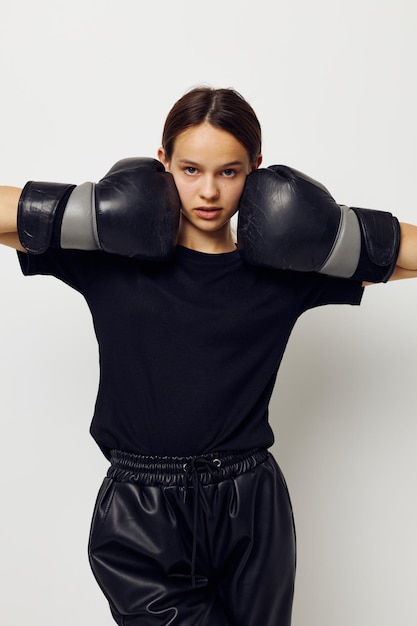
(209, 166)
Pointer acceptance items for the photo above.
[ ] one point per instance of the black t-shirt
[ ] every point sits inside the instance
(189, 349)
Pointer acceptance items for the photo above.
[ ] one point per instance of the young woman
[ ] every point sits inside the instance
(193, 524)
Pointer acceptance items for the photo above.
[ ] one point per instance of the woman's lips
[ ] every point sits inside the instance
(207, 213)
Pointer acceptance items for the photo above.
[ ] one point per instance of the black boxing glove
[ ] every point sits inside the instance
(133, 211)
(289, 221)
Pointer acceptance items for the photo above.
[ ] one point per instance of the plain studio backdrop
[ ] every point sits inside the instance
(86, 83)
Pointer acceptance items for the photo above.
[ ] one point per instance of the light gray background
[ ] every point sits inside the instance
(86, 83)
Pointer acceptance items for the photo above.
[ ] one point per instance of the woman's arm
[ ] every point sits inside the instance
(9, 199)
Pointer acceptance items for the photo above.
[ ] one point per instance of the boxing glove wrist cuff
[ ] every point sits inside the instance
(381, 238)
(40, 208)
(366, 247)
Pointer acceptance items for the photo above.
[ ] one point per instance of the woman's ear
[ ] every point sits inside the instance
(162, 158)
(257, 162)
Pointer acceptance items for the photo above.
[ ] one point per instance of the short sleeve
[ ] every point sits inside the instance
(73, 267)
(323, 290)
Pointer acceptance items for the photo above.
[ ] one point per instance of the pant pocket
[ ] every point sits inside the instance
(101, 509)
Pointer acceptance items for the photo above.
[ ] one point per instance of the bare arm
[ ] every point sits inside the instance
(407, 257)
(9, 198)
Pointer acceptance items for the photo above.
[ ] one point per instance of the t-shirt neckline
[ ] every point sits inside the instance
(207, 257)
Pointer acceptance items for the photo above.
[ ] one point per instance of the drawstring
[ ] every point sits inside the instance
(191, 469)
(184, 472)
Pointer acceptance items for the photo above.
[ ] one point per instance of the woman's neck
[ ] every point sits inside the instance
(215, 242)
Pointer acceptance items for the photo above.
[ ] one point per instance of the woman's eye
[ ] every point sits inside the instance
(229, 173)
(190, 170)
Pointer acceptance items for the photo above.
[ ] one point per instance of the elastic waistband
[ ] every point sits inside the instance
(175, 471)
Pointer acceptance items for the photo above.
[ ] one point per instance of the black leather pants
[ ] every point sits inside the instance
(199, 541)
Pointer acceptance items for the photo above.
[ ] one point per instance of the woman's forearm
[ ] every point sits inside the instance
(407, 257)
(9, 198)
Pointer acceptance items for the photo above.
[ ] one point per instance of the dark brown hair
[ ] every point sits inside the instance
(223, 108)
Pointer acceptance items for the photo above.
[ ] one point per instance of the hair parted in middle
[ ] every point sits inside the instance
(223, 108)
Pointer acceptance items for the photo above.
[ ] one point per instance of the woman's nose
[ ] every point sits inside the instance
(209, 190)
